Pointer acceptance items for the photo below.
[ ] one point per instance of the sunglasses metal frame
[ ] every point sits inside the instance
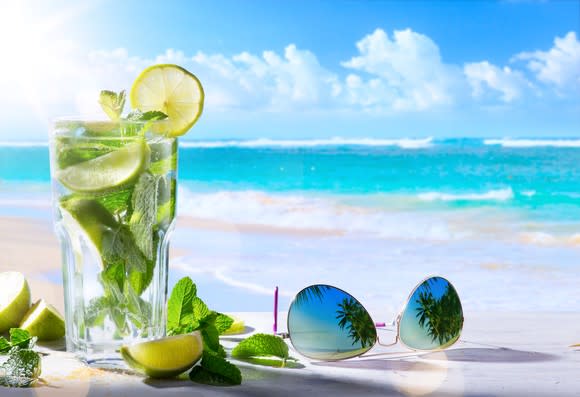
(379, 326)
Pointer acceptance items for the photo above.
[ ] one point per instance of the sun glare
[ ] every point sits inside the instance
(35, 53)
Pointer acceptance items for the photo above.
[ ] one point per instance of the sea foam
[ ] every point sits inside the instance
(491, 195)
(405, 143)
(299, 211)
(527, 143)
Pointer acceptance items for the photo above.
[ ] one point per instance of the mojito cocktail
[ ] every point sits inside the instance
(114, 185)
(115, 190)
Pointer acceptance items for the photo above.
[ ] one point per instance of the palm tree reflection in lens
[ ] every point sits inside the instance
(327, 323)
(433, 318)
(354, 317)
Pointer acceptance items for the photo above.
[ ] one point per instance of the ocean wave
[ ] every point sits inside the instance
(23, 144)
(379, 217)
(405, 143)
(549, 239)
(525, 143)
(492, 195)
(301, 212)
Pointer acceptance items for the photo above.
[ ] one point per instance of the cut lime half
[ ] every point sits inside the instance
(107, 171)
(172, 90)
(14, 299)
(166, 357)
(43, 321)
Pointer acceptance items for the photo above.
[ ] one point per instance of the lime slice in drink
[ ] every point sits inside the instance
(14, 299)
(171, 90)
(43, 321)
(107, 171)
(87, 217)
(166, 357)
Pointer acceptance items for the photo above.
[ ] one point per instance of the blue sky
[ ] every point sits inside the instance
(306, 69)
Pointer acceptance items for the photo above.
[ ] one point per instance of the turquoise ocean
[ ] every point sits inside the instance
(499, 217)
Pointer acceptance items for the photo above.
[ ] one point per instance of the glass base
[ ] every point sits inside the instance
(106, 362)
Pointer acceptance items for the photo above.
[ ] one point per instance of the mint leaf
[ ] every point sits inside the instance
(211, 338)
(261, 345)
(21, 338)
(200, 310)
(115, 202)
(139, 310)
(152, 115)
(216, 370)
(223, 322)
(21, 369)
(97, 310)
(5, 346)
(144, 217)
(118, 246)
(112, 103)
(70, 152)
(179, 305)
(273, 362)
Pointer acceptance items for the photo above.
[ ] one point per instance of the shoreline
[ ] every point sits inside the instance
(237, 266)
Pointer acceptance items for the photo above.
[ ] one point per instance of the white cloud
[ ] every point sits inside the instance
(406, 73)
(483, 76)
(559, 66)
(402, 73)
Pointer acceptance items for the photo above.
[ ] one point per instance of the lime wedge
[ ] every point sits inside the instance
(107, 171)
(43, 321)
(171, 90)
(14, 299)
(237, 327)
(166, 357)
(87, 217)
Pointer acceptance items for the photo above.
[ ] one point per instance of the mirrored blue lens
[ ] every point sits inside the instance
(433, 317)
(326, 323)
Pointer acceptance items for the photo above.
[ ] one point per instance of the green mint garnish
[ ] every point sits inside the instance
(5, 346)
(216, 370)
(18, 338)
(112, 103)
(223, 322)
(152, 115)
(179, 306)
(186, 312)
(261, 345)
(119, 246)
(144, 217)
(21, 338)
(21, 369)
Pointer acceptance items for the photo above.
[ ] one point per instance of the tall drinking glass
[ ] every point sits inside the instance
(114, 191)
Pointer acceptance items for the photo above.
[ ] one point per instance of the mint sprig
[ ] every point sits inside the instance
(186, 313)
(255, 348)
(18, 338)
(112, 103)
(215, 370)
(152, 115)
(22, 368)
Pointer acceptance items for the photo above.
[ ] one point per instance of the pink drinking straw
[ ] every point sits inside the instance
(276, 310)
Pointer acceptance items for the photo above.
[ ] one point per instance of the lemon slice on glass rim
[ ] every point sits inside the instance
(172, 90)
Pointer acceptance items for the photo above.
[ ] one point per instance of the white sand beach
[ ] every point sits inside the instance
(502, 352)
(508, 354)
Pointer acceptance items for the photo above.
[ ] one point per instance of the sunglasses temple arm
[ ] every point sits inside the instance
(275, 327)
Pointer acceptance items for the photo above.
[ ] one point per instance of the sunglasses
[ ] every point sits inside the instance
(327, 323)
